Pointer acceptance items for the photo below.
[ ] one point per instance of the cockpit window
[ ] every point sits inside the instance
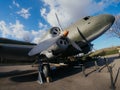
(86, 18)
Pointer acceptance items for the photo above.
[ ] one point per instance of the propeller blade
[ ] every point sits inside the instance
(89, 44)
(46, 44)
(83, 36)
(43, 46)
(75, 45)
(58, 21)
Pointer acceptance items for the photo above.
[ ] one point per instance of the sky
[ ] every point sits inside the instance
(29, 20)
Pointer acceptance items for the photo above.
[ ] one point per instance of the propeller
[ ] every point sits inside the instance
(46, 44)
(89, 44)
(58, 21)
(75, 45)
(49, 42)
(72, 42)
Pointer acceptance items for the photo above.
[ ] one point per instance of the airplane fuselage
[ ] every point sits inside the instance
(82, 32)
(91, 27)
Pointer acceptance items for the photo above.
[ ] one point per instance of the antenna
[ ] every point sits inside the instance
(58, 21)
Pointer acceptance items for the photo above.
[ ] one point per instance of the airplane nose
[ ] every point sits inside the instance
(109, 18)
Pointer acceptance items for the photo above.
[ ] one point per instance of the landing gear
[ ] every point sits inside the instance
(40, 73)
(44, 72)
(47, 72)
(83, 69)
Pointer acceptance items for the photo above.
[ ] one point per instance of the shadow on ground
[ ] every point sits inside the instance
(33, 76)
(25, 77)
(14, 73)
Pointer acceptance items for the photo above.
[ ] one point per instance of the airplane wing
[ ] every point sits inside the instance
(9, 41)
(14, 48)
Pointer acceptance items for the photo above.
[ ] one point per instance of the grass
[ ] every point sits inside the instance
(105, 51)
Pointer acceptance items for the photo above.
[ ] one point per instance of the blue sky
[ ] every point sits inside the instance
(30, 19)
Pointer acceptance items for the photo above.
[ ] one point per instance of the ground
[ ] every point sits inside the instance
(24, 77)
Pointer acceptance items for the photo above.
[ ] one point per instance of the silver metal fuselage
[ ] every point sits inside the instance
(91, 28)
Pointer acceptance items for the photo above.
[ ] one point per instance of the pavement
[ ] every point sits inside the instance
(24, 77)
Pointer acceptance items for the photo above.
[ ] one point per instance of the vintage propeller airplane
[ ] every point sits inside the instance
(58, 42)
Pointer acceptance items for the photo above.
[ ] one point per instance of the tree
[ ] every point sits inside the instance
(115, 29)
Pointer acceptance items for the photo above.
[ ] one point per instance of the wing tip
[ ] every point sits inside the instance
(30, 54)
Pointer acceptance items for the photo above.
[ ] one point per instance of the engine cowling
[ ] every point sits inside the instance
(59, 46)
(55, 31)
(63, 43)
(56, 48)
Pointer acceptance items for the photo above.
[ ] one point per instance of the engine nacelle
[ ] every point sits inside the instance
(62, 43)
(56, 48)
(59, 46)
(55, 31)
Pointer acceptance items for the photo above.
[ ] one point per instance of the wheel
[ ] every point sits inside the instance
(46, 70)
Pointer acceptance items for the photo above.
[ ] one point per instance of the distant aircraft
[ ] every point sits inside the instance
(58, 42)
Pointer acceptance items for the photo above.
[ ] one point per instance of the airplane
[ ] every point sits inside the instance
(58, 42)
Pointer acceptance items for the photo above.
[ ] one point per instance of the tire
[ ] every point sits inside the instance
(46, 70)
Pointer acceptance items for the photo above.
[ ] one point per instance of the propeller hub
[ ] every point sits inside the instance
(65, 33)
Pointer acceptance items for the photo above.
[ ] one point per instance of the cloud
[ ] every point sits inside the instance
(16, 4)
(70, 11)
(17, 31)
(42, 26)
(43, 12)
(24, 13)
(4, 29)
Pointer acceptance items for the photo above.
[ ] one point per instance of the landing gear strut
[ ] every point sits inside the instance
(44, 72)
(40, 73)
